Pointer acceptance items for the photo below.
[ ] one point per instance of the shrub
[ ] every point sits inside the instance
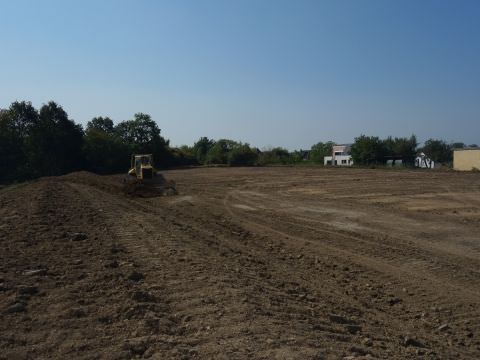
(242, 155)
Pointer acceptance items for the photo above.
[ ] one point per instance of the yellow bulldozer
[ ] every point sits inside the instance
(144, 180)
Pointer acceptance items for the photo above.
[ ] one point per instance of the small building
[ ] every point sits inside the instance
(340, 156)
(395, 162)
(424, 162)
(466, 159)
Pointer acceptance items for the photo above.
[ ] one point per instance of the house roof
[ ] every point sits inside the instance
(467, 148)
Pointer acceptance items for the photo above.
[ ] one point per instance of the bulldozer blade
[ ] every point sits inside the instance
(158, 186)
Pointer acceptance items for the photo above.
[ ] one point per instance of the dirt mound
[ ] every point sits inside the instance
(158, 186)
(122, 184)
(108, 183)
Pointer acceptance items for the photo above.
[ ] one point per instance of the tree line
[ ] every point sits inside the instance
(46, 142)
(371, 150)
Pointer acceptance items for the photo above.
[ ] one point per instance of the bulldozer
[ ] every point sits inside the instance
(143, 179)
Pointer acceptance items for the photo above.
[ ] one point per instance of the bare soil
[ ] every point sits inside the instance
(245, 263)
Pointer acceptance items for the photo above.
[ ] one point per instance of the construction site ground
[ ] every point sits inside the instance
(244, 263)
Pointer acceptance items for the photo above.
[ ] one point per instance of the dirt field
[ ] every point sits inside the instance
(247, 263)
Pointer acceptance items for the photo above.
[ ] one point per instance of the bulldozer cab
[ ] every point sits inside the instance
(143, 165)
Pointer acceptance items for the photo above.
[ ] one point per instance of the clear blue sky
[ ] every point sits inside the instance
(287, 73)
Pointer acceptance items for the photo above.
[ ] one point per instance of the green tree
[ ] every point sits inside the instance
(23, 117)
(368, 150)
(142, 136)
(218, 153)
(404, 148)
(320, 150)
(201, 148)
(54, 146)
(104, 151)
(438, 150)
(11, 149)
(104, 124)
(15, 129)
(142, 133)
(298, 156)
(275, 156)
(242, 154)
(183, 156)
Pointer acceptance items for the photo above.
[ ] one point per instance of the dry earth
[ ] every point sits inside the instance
(247, 263)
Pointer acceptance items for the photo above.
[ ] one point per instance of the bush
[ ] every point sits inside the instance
(242, 155)
(105, 153)
(438, 150)
(320, 150)
(368, 150)
(275, 156)
(201, 147)
(183, 156)
(218, 153)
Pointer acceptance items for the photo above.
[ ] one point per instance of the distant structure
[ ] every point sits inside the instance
(466, 159)
(340, 156)
(394, 162)
(424, 162)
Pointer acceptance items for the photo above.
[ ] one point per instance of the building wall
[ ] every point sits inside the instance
(343, 149)
(342, 160)
(466, 160)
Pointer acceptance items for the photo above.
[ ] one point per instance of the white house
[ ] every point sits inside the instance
(424, 162)
(340, 156)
